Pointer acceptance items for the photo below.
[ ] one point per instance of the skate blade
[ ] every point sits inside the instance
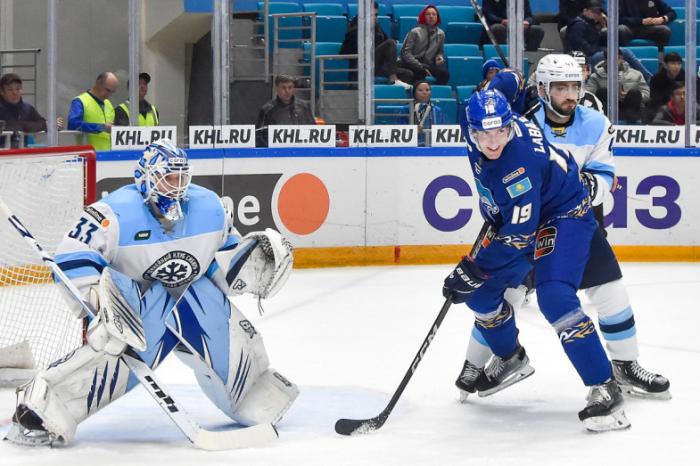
(514, 378)
(617, 420)
(17, 435)
(463, 395)
(637, 392)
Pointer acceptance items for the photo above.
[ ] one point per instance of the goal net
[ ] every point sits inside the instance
(46, 189)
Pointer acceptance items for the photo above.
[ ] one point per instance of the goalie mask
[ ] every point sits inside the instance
(163, 176)
(555, 68)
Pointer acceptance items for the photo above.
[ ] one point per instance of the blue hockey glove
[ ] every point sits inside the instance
(463, 281)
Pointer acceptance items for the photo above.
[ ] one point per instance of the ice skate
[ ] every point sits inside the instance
(501, 373)
(469, 380)
(604, 409)
(636, 381)
(27, 429)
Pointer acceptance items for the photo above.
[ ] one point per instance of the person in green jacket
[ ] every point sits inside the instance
(148, 114)
(92, 113)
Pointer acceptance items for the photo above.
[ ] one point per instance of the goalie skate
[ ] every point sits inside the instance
(604, 409)
(501, 373)
(27, 429)
(636, 381)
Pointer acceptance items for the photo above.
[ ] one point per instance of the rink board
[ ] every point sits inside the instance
(354, 206)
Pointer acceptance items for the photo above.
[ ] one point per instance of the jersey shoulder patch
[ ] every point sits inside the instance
(519, 187)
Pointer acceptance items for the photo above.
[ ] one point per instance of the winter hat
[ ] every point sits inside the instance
(489, 65)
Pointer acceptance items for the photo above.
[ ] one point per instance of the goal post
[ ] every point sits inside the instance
(46, 188)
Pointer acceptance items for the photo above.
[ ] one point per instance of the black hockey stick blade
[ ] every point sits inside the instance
(360, 426)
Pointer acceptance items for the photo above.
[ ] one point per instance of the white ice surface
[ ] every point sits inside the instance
(347, 336)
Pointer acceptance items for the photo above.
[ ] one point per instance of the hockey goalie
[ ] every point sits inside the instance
(163, 252)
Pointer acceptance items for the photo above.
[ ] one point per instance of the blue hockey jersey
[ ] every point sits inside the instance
(530, 184)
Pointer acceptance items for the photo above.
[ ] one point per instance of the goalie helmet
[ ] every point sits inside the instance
(162, 176)
(555, 68)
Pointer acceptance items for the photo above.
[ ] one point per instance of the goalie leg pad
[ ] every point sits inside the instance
(231, 371)
(77, 385)
(121, 308)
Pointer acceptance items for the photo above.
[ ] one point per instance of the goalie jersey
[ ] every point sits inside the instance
(122, 232)
(588, 136)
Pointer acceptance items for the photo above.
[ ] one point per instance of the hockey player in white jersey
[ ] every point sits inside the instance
(172, 251)
(588, 135)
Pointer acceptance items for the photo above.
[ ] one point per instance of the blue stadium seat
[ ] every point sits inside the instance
(325, 9)
(385, 23)
(462, 50)
(645, 51)
(465, 70)
(526, 64)
(406, 10)
(331, 28)
(680, 12)
(490, 51)
(464, 92)
(328, 48)
(441, 92)
(387, 112)
(389, 91)
(456, 14)
(384, 10)
(463, 33)
(640, 42)
(680, 49)
(284, 35)
(677, 32)
(651, 64)
(406, 23)
(544, 6)
(449, 109)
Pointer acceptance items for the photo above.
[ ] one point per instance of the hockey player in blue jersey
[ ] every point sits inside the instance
(172, 251)
(587, 135)
(523, 99)
(532, 195)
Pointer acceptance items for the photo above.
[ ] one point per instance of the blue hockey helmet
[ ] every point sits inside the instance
(163, 176)
(488, 109)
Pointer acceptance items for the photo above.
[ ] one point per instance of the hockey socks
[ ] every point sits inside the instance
(579, 338)
(498, 329)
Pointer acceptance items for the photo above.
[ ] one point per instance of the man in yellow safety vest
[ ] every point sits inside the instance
(92, 113)
(148, 115)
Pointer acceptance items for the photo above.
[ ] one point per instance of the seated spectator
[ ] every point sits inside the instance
(663, 82)
(92, 113)
(673, 113)
(633, 91)
(17, 114)
(496, 14)
(588, 99)
(423, 50)
(584, 34)
(384, 53)
(425, 113)
(284, 109)
(488, 71)
(570, 9)
(148, 114)
(645, 19)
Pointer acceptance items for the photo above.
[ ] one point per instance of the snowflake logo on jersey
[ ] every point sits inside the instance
(175, 269)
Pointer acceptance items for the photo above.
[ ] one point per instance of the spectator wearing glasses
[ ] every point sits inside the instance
(92, 113)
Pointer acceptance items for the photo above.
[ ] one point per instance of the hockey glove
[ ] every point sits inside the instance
(590, 181)
(532, 102)
(466, 278)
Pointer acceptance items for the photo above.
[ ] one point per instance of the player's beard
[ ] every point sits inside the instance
(562, 111)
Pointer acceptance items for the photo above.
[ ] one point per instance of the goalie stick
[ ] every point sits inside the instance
(480, 14)
(201, 438)
(363, 426)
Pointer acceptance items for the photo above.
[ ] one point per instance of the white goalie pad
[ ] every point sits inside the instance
(260, 264)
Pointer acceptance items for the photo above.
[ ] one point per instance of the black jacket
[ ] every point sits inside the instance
(496, 11)
(274, 112)
(583, 35)
(22, 117)
(568, 10)
(633, 11)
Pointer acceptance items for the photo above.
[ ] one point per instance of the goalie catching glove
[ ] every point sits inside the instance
(260, 264)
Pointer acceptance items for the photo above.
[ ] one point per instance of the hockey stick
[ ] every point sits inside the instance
(480, 15)
(363, 426)
(201, 438)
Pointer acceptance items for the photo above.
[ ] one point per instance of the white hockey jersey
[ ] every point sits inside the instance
(588, 137)
(120, 231)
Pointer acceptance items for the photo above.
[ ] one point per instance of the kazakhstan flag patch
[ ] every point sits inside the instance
(519, 188)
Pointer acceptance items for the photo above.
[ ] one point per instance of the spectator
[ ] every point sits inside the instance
(673, 113)
(17, 114)
(92, 112)
(148, 114)
(425, 113)
(584, 34)
(662, 83)
(633, 91)
(423, 49)
(588, 99)
(496, 14)
(285, 109)
(384, 53)
(488, 71)
(645, 19)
